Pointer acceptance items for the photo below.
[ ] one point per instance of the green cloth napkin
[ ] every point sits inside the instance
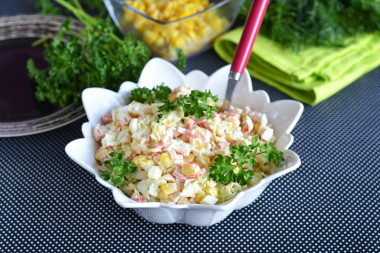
(310, 75)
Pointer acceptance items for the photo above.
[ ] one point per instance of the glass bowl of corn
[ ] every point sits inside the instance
(167, 25)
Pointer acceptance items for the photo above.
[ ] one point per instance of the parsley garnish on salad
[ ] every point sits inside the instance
(229, 169)
(157, 94)
(191, 153)
(193, 104)
(196, 104)
(118, 169)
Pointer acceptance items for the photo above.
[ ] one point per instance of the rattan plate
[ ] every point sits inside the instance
(22, 30)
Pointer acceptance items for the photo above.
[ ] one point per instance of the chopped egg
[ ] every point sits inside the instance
(155, 172)
(173, 154)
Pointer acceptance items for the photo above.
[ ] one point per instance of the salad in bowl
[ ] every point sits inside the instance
(167, 149)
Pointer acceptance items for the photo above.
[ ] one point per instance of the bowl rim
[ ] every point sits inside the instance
(215, 6)
(125, 202)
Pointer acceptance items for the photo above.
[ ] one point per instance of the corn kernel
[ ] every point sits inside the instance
(182, 201)
(190, 36)
(160, 42)
(139, 25)
(265, 168)
(215, 22)
(147, 164)
(151, 8)
(207, 160)
(167, 13)
(202, 31)
(168, 123)
(208, 24)
(203, 161)
(174, 33)
(166, 160)
(129, 16)
(150, 37)
(211, 191)
(199, 197)
(101, 153)
(259, 176)
(165, 33)
(260, 159)
(230, 137)
(138, 159)
(189, 169)
(180, 42)
(236, 170)
(200, 147)
(189, 158)
(173, 96)
(256, 127)
(163, 197)
(155, 14)
(169, 188)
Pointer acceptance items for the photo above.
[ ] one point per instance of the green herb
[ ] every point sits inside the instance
(118, 169)
(223, 171)
(94, 57)
(141, 95)
(194, 104)
(272, 154)
(157, 94)
(48, 6)
(181, 61)
(97, 5)
(167, 107)
(161, 93)
(229, 169)
(301, 23)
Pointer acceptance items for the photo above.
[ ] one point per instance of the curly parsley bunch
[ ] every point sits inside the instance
(96, 56)
(227, 169)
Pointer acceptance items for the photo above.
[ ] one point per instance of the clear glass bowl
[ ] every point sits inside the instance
(192, 33)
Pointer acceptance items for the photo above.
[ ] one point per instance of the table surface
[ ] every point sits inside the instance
(329, 204)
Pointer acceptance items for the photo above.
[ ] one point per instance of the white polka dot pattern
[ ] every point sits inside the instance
(329, 204)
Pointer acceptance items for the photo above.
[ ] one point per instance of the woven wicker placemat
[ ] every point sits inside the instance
(37, 26)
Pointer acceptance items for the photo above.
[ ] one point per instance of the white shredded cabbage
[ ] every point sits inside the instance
(179, 150)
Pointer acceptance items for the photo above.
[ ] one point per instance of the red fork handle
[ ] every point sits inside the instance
(251, 29)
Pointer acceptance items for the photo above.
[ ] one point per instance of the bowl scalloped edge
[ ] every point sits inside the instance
(282, 114)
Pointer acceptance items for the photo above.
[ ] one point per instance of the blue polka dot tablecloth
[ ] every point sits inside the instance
(329, 204)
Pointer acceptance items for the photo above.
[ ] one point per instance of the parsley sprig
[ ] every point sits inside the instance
(181, 61)
(229, 169)
(194, 104)
(223, 171)
(303, 23)
(157, 94)
(48, 6)
(118, 168)
(96, 56)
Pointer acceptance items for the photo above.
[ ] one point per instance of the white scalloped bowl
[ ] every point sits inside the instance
(283, 115)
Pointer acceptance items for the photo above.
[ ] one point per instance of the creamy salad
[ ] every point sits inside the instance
(173, 154)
